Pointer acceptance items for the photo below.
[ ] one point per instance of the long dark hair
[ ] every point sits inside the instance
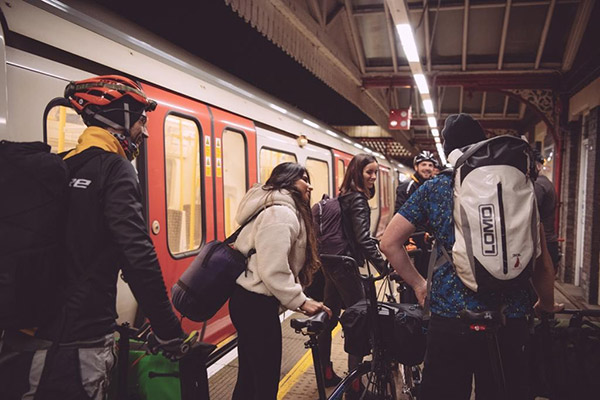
(284, 176)
(354, 180)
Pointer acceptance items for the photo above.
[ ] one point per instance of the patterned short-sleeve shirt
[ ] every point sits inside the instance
(433, 202)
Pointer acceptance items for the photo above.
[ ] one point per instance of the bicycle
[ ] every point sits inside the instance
(375, 378)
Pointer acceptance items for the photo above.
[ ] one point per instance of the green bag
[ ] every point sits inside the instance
(153, 377)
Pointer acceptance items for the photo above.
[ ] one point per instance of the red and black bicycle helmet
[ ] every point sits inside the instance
(111, 101)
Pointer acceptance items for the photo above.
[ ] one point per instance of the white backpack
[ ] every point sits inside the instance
(496, 221)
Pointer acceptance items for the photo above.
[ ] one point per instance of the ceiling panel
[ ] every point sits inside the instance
(472, 102)
(451, 100)
(374, 35)
(524, 33)
(485, 28)
(560, 27)
(494, 103)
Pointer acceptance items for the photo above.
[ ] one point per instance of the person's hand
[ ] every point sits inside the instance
(311, 307)
(421, 292)
(540, 308)
(173, 349)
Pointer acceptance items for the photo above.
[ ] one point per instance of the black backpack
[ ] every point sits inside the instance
(327, 216)
(33, 183)
(33, 209)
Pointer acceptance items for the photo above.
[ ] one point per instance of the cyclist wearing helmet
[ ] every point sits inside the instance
(105, 233)
(423, 164)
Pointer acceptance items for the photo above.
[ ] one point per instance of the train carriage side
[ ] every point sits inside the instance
(207, 146)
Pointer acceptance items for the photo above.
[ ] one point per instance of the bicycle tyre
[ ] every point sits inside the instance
(372, 385)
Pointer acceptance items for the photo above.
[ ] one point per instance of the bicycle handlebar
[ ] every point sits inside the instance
(352, 262)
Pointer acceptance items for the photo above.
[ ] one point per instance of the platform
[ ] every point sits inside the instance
(297, 373)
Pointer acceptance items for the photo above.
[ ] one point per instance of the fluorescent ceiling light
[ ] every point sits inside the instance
(331, 133)
(382, 157)
(421, 83)
(368, 150)
(376, 154)
(435, 133)
(401, 166)
(439, 148)
(310, 123)
(347, 140)
(408, 42)
(437, 140)
(432, 122)
(428, 106)
(358, 146)
(277, 108)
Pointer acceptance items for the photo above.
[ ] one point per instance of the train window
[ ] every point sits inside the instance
(234, 175)
(184, 190)
(384, 177)
(341, 171)
(319, 179)
(271, 158)
(63, 128)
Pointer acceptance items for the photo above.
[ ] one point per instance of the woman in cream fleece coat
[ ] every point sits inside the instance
(285, 259)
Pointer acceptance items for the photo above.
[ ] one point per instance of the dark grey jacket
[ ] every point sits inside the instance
(106, 232)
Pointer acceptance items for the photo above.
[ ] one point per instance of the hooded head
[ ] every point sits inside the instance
(461, 130)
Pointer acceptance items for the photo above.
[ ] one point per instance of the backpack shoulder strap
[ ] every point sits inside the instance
(434, 264)
(233, 237)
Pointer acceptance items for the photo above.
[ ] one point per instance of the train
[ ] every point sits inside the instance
(211, 136)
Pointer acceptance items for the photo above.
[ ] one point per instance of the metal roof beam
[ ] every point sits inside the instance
(465, 35)
(549, 13)
(483, 100)
(475, 80)
(578, 29)
(391, 36)
(427, 38)
(318, 12)
(505, 109)
(416, 8)
(504, 31)
(485, 123)
(358, 48)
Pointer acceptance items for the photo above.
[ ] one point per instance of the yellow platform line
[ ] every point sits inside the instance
(294, 375)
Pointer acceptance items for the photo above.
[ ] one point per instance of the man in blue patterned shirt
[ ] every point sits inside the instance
(454, 352)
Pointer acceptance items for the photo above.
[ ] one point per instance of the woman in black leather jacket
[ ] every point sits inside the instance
(356, 190)
(342, 287)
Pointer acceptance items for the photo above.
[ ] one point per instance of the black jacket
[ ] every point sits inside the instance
(406, 188)
(106, 232)
(356, 220)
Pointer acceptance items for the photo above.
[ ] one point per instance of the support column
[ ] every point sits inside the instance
(568, 196)
(592, 220)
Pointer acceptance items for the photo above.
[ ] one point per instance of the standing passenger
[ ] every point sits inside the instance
(285, 260)
(342, 288)
(105, 233)
(456, 355)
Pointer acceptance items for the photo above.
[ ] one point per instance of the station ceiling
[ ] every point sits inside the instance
(342, 62)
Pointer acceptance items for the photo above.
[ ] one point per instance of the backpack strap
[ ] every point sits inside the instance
(435, 263)
(233, 237)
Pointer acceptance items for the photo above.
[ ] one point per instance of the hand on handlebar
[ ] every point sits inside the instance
(173, 349)
(311, 307)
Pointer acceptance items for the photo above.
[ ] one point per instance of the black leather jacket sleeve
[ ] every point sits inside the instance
(124, 217)
(401, 195)
(356, 216)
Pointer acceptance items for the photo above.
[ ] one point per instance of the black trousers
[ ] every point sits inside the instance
(256, 319)
(455, 354)
(342, 289)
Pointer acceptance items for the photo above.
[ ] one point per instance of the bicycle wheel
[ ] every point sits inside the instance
(364, 384)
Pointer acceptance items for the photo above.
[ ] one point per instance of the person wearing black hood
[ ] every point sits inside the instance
(455, 354)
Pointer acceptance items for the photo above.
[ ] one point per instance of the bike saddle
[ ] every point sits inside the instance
(313, 325)
(485, 317)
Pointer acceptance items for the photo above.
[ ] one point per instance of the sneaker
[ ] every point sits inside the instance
(331, 379)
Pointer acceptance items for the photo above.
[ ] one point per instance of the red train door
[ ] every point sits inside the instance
(180, 183)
